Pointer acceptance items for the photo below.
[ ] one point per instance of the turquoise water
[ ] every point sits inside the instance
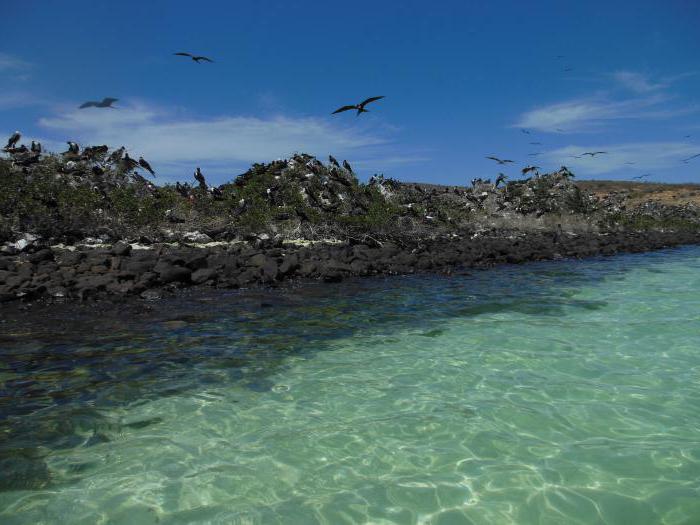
(563, 392)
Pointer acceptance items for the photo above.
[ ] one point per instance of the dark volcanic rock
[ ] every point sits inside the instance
(121, 249)
(168, 273)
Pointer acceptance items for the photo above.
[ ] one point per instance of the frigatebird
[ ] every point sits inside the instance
(525, 131)
(36, 146)
(642, 176)
(145, 165)
(104, 103)
(129, 163)
(333, 161)
(73, 148)
(535, 143)
(359, 107)
(13, 140)
(528, 169)
(501, 178)
(199, 177)
(593, 153)
(347, 166)
(500, 161)
(691, 158)
(196, 58)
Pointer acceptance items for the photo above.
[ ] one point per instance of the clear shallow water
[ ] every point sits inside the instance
(564, 392)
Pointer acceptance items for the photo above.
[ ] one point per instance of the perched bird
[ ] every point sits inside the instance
(129, 163)
(216, 192)
(13, 140)
(145, 165)
(117, 155)
(196, 58)
(97, 170)
(73, 148)
(593, 153)
(333, 161)
(528, 169)
(199, 177)
(93, 151)
(104, 103)
(359, 107)
(500, 161)
(36, 147)
(347, 166)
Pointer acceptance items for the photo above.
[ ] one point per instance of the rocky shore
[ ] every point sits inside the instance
(87, 272)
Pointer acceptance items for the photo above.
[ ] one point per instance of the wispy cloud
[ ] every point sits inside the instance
(10, 62)
(582, 115)
(644, 156)
(638, 82)
(177, 143)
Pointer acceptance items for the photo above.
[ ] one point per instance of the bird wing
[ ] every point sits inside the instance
(88, 104)
(344, 108)
(183, 54)
(494, 158)
(109, 100)
(507, 160)
(206, 59)
(370, 99)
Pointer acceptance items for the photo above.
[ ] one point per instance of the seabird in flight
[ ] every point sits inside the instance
(104, 103)
(528, 169)
(500, 161)
(642, 176)
(359, 107)
(13, 140)
(196, 58)
(593, 153)
(525, 131)
(535, 143)
(145, 165)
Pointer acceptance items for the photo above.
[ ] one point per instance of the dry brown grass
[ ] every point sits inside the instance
(639, 192)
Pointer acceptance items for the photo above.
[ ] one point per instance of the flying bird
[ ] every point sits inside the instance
(593, 153)
(535, 143)
(199, 177)
(13, 140)
(196, 58)
(630, 163)
(500, 161)
(534, 154)
(642, 176)
(359, 107)
(145, 165)
(528, 169)
(687, 136)
(525, 131)
(567, 69)
(104, 103)
(333, 161)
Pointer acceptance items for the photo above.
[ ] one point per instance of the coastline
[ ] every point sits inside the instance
(63, 273)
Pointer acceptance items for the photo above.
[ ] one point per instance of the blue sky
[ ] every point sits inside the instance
(461, 80)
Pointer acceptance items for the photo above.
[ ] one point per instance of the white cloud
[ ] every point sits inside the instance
(176, 144)
(9, 62)
(638, 156)
(638, 82)
(589, 114)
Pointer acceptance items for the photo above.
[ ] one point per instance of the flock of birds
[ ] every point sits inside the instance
(29, 155)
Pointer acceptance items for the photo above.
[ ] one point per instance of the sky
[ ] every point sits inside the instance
(538, 82)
